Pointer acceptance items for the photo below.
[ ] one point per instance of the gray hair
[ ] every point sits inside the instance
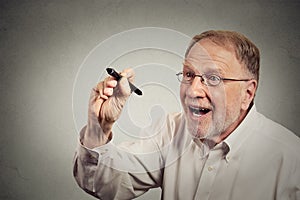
(245, 51)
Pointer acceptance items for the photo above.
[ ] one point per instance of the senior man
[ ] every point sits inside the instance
(219, 147)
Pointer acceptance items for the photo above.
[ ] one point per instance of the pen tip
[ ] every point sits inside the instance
(109, 70)
(138, 92)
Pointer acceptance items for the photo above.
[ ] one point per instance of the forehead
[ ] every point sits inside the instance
(208, 55)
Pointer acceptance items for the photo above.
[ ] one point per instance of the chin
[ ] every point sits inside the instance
(203, 132)
(197, 131)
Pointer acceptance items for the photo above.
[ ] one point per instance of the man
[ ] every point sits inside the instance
(220, 147)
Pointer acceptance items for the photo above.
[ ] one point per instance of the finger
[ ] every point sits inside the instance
(108, 91)
(95, 101)
(111, 83)
(129, 74)
(100, 89)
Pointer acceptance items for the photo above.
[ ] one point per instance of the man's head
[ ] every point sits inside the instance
(245, 51)
(214, 111)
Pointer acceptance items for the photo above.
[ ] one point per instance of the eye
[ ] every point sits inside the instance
(188, 74)
(213, 79)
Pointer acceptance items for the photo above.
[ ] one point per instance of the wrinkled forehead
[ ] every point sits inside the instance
(205, 54)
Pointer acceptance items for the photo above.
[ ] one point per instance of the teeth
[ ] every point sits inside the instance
(198, 111)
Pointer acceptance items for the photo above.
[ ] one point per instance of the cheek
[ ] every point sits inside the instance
(183, 89)
(233, 99)
(225, 101)
(218, 98)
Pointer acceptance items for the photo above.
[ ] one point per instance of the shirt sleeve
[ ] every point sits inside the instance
(288, 185)
(118, 172)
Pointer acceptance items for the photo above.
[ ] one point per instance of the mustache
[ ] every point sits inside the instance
(198, 104)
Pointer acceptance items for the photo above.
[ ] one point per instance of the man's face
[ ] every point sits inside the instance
(212, 110)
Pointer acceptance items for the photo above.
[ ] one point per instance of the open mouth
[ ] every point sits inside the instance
(198, 111)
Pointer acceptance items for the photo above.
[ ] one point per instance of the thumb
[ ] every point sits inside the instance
(111, 108)
(123, 90)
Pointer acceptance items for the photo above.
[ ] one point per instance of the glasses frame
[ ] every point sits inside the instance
(204, 79)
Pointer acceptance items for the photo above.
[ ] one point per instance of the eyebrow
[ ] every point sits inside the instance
(188, 68)
(217, 70)
(187, 64)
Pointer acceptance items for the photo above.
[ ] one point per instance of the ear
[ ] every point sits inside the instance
(249, 93)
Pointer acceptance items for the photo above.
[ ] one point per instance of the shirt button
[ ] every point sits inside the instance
(210, 168)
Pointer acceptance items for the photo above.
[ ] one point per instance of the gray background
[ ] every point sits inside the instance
(43, 43)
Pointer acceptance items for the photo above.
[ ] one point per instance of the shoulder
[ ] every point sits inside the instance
(175, 118)
(273, 135)
(164, 128)
(277, 132)
(176, 122)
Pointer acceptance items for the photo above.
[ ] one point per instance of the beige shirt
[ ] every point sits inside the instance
(259, 160)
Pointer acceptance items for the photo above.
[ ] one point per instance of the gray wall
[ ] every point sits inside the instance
(43, 43)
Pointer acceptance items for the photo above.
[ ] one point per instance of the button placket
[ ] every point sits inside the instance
(210, 168)
(208, 175)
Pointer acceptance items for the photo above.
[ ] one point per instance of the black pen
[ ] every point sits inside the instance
(115, 74)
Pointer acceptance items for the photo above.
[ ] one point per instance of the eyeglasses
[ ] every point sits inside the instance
(206, 79)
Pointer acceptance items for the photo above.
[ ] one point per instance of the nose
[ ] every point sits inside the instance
(197, 89)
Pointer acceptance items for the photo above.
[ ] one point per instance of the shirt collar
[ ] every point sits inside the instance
(206, 147)
(233, 142)
(241, 133)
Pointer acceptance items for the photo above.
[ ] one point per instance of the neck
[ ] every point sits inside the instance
(230, 129)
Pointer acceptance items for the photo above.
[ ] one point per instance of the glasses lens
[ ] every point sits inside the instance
(181, 78)
(212, 79)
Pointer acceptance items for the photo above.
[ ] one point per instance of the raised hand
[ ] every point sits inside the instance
(105, 106)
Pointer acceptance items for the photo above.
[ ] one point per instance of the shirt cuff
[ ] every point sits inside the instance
(97, 151)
